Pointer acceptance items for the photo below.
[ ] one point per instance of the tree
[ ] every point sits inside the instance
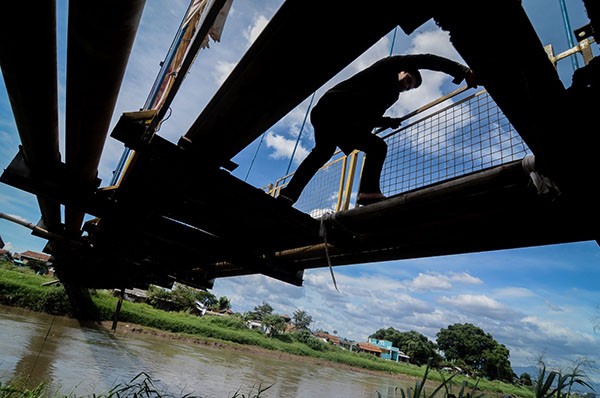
(180, 298)
(186, 296)
(38, 266)
(261, 311)
(477, 349)
(274, 323)
(302, 320)
(223, 303)
(525, 379)
(417, 346)
(207, 298)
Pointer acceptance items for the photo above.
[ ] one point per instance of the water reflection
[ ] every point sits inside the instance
(83, 360)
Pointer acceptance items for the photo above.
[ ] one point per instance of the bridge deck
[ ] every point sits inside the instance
(165, 221)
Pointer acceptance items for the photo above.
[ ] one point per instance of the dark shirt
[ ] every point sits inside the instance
(364, 98)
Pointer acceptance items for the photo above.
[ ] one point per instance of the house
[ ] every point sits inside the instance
(39, 262)
(388, 351)
(30, 255)
(134, 295)
(254, 325)
(369, 348)
(328, 338)
(347, 344)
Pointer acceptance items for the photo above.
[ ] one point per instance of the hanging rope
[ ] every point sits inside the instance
(41, 349)
(323, 234)
(300, 133)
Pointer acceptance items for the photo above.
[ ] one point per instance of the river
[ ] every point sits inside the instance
(82, 360)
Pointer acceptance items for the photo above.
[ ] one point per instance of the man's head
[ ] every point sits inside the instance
(409, 79)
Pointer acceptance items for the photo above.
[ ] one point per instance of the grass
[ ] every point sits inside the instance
(18, 287)
(141, 386)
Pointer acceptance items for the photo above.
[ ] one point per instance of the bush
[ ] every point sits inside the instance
(20, 287)
(305, 337)
(225, 321)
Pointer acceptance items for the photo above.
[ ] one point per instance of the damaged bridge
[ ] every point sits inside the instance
(161, 221)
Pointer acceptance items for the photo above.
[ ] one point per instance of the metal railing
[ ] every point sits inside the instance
(467, 136)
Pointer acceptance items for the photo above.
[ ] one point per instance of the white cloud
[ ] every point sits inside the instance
(437, 281)
(553, 307)
(254, 30)
(513, 292)
(431, 282)
(556, 334)
(435, 41)
(283, 147)
(465, 278)
(480, 305)
(222, 71)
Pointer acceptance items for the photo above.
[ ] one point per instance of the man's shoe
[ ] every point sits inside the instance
(365, 199)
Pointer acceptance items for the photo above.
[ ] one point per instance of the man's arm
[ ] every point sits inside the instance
(434, 62)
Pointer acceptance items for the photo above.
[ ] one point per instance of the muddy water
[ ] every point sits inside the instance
(75, 359)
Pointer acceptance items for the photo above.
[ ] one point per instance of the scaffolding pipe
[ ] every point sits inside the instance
(99, 43)
(33, 94)
(565, 16)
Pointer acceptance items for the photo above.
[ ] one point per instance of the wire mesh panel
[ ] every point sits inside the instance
(470, 135)
(322, 194)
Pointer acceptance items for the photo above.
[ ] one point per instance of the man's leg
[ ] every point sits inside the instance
(375, 150)
(319, 155)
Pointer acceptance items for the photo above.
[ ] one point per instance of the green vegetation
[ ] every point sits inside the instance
(414, 344)
(21, 287)
(470, 347)
(141, 386)
(553, 384)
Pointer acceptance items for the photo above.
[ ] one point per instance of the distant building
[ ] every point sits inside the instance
(286, 318)
(368, 348)
(328, 338)
(134, 295)
(29, 255)
(347, 344)
(388, 351)
(254, 325)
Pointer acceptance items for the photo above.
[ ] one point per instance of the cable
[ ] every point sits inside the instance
(255, 153)
(300, 133)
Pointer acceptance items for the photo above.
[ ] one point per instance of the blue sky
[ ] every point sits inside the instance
(540, 301)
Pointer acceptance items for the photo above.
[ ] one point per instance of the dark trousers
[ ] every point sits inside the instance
(373, 146)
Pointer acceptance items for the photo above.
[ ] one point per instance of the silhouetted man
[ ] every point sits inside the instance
(346, 114)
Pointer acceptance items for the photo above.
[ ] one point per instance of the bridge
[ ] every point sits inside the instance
(511, 165)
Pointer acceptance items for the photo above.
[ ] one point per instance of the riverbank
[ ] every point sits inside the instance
(23, 289)
(132, 329)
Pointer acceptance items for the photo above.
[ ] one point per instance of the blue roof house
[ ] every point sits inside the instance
(389, 351)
